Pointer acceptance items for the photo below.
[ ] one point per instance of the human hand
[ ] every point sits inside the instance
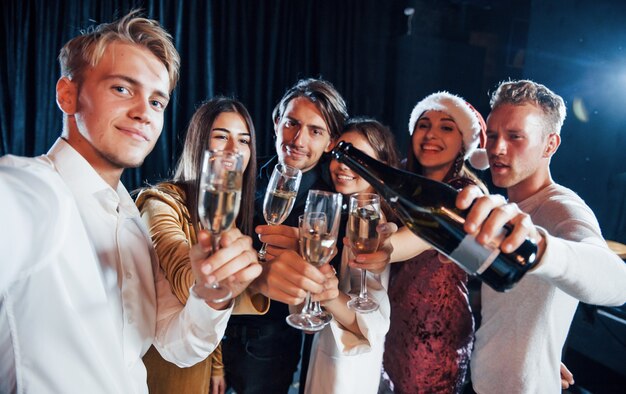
(278, 239)
(288, 277)
(488, 216)
(375, 262)
(235, 262)
(217, 385)
(567, 378)
(331, 285)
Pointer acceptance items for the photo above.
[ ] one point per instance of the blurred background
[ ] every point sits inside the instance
(383, 56)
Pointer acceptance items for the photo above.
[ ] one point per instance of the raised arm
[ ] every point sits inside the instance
(172, 235)
(406, 245)
(574, 257)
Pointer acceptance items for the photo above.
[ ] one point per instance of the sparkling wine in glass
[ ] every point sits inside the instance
(363, 218)
(218, 206)
(318, 237)
(280, 197)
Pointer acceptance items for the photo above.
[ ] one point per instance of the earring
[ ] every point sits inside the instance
(458, 163)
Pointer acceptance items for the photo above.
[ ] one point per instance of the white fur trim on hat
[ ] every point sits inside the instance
(464, 116)
(479, 159)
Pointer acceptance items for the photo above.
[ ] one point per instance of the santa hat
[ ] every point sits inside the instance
(468, 120)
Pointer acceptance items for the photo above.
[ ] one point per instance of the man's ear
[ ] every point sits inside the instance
(331, 145)
(67, 95)
(552, 144)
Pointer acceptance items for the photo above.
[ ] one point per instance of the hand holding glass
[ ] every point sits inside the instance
(218, 207)
(364, 216)
(318, 236)
(279, 197)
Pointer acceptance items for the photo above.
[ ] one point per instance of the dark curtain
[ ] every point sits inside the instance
(248, 49)
(262, 48)
(253, 50)
(33, 32)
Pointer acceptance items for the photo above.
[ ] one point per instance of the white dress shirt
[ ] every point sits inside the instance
(82, 296)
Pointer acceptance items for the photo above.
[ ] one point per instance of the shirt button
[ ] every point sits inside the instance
(130, 320)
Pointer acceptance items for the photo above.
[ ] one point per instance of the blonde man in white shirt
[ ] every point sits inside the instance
(81, 294)
(518, 345)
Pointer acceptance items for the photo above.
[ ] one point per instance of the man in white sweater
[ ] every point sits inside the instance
(518, 346)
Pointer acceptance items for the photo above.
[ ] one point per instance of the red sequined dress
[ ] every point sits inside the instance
(429, 343)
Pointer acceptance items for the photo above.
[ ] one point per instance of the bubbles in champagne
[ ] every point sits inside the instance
(219, 207)
(362, 233)
(317, 248)
(277, 205)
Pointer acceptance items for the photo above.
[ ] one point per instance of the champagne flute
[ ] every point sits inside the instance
(218, 206)
(364, 216)
(279, 197)
(318, 236)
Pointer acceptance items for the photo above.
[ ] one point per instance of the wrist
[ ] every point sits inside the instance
(541, 246)
(258, 286)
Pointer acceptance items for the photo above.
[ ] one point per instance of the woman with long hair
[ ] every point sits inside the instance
(170, 210)
(430, 338)
(346, 356)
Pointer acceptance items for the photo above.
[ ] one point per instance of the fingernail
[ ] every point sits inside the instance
(360, 259)
(383, 227)
(206, 269)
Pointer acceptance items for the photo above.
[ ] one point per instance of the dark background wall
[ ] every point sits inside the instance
(380, 59)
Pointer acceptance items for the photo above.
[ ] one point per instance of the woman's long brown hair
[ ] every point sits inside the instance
(383, 142)
(188, 168)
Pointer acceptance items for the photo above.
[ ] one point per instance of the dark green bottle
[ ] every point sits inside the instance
(428, 209)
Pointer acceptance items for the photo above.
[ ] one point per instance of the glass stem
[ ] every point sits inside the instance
(308, 305)
(262, 251)
(316, 307)
(363, 291)
(215, 244)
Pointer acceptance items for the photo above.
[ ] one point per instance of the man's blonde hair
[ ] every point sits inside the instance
(87, 49)
(525, 91)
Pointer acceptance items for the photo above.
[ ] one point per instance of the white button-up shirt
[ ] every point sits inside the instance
(82, 297)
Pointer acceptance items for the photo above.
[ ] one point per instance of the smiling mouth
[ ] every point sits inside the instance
(345, 178)
(295, 152)
(134, 133)
(431, 148)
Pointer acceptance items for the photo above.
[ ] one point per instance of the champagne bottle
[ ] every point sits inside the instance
(428, 209)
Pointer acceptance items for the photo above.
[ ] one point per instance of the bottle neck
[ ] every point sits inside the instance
(367, 168)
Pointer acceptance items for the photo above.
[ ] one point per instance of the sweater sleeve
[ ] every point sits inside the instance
(577, 259)
(586, 270)
(171, 234)
(164, 219)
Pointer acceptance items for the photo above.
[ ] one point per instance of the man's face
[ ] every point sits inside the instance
(302, 135)
(119, 107)
(516, 145)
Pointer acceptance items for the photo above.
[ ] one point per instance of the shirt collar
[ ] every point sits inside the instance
(82, 178)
